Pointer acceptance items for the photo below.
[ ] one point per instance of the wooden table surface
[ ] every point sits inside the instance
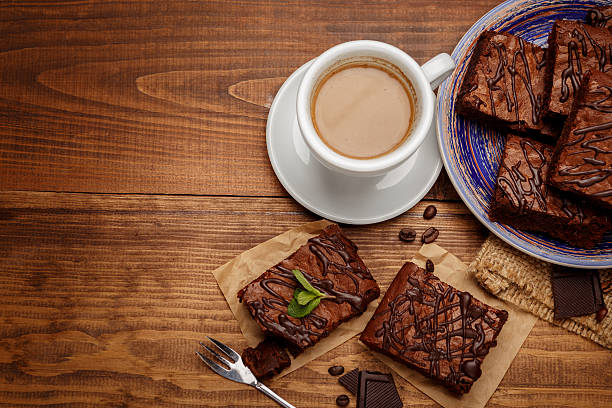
(133, 163)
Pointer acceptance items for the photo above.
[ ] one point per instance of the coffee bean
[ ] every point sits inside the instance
(430, 235)
(429, 266)
(430, 212)
(342, 400)
(407, 234)
(601, 313)
(335, 370)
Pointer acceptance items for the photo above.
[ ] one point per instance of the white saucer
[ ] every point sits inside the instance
(335, 196)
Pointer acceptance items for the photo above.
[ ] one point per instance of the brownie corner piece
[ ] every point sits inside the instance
(503, 85)
(331, 264)
(582, 163)
(522, 198)
(267, 359)
(574, 50)
(434, 328)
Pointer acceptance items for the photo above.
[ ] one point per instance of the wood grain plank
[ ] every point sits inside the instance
(104, 297)
(138, 96)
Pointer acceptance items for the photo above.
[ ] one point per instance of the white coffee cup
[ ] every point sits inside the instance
(422, 78)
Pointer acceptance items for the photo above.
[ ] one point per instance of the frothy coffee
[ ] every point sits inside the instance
(363, 110)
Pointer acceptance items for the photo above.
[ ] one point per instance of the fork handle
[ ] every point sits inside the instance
(273, 395)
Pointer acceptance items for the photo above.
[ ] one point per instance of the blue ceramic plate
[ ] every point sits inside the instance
(471, 152)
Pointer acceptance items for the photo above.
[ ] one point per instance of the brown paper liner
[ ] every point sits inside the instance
(525, 281)
(454, 272)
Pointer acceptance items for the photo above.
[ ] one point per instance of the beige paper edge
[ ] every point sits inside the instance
(451, 270)
(247, 266)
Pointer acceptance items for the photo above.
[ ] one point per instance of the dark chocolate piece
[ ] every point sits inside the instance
(434, 328)
(335, 370)
(330, 263)
(267, 359)
(377, 390)
(574, 50)
(504, 84)
(582, 163)
(523, 200)
(577, 292)
(600, 17)
(350, 381)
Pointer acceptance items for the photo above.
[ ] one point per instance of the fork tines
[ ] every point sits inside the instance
(235, 370)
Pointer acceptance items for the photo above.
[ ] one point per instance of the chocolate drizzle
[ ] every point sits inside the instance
(334, 260)
(597, 18)
(431, 317)
(594, 148)
(524, 76)
(577, 47)
(524, 191)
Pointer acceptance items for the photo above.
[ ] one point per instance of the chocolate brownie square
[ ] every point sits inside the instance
(523, 200)
(582, 163)
(600, 17)
(267, 359)
(574, 50)
(430, 326)
(504, 84)
(331, 264)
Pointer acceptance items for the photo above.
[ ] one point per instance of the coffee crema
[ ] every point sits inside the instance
(363, 109)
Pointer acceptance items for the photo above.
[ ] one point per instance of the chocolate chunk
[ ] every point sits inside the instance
(429, 266)
(577, 292)
(430, 235)
(267, 359)
(335, 370)
(342, 400)
(350, 381)
(407, 234)
(377, 390)
(430, 212)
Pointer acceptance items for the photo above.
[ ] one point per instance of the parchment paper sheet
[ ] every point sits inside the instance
(247, 266)
(454, 272)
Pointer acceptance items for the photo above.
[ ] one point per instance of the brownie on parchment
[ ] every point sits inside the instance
(434, 328)
(504, 84)
(331, 264)
(267, 359)
(582, 163)
(523, 200)
(574, 50)
(600, 17)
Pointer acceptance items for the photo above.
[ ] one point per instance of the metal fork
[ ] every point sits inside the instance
(237, 372)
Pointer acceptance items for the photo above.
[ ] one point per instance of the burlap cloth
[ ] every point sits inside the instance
(525, 281)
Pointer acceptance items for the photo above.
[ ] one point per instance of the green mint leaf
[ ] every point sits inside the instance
(312, 305)
(294, 309)
(303, 297)
(298, 311)
(304, 282)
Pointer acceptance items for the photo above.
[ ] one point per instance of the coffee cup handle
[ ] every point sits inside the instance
(438, 69)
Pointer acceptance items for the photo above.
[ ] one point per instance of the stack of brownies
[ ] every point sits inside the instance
(555, 104)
